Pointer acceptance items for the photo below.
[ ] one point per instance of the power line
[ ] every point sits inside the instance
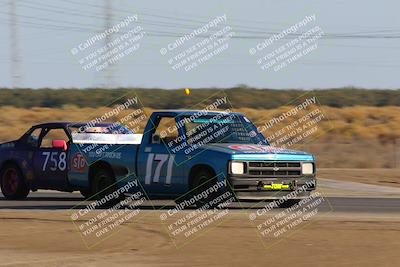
(157, 29)
(250, 34)
(180, 34)
(142, 21)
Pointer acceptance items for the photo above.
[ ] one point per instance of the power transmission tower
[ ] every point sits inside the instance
(109, 71)
(16, 76)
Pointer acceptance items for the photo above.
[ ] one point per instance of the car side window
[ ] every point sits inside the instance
(33, 138)
(53, 134)
(166, 131)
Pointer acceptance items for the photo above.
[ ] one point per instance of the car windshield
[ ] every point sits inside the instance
(221, 128)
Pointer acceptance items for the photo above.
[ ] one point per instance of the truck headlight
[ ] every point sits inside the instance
(307, 168)
(237, 167)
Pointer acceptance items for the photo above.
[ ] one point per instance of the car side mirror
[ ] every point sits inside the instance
(61, 144)
(155, 139)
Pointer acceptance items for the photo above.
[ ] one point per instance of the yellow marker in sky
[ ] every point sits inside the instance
(187, 91)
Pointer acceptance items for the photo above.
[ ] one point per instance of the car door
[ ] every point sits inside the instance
(51, 159)
(161, 173)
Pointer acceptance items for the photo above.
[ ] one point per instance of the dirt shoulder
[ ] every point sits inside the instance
(50, 239)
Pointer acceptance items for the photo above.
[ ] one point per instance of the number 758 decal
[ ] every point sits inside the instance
(59, 163)
(161, 158)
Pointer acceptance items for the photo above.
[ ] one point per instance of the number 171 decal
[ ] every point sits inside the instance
(161, 158)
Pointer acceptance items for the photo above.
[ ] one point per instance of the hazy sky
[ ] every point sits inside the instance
(360, 45)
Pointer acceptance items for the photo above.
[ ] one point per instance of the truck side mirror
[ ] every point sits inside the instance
(155, 139)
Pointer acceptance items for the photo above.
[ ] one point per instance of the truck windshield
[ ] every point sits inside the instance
(221, 128)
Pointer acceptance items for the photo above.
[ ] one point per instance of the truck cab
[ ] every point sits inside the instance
(186, 145)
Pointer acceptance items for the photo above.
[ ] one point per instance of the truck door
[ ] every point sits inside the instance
(160, 173)
(51, 159)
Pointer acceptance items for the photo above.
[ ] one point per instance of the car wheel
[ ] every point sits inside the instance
(13, 185)
(103, 185)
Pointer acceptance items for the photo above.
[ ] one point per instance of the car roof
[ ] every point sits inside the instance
(68, 123)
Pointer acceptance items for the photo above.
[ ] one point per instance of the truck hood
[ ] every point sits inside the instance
(259, 152)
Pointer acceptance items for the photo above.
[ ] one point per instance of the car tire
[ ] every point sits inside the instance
(13, 184)
(102, 185)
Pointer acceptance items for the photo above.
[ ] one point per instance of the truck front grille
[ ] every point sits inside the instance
(274, 169)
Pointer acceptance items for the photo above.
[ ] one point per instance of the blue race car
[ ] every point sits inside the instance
(179, 152)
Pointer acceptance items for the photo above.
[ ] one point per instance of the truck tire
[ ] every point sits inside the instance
(13, 184)
(202, 180)
(86, 193)
(103, 185)
(289, 203)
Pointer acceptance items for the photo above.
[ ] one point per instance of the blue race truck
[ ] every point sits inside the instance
(178, 152)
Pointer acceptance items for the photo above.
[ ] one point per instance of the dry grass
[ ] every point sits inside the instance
(351, 137)
(385, 177)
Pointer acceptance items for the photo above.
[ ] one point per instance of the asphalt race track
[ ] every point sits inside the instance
(339, 196)
(64, 201)
(353, 222)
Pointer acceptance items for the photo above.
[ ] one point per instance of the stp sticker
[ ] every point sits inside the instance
(78, 163)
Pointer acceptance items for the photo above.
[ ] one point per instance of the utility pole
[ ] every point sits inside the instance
(14, 47)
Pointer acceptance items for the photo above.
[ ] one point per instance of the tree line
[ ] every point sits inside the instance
(239, 97)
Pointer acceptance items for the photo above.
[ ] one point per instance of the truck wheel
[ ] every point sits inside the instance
(103, 185)
(201, 182)
(13, 185)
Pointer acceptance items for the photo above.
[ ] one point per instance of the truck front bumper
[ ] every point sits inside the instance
(258, 189)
